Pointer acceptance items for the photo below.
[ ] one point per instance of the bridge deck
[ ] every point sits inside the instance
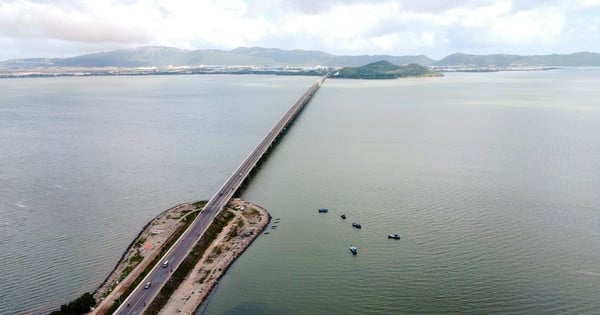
(141, 297)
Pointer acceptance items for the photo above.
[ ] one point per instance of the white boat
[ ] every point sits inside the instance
(353, 249)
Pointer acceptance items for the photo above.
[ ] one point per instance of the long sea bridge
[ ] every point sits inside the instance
(141, 297)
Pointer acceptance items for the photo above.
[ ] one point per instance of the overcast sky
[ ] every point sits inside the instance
(58, 28)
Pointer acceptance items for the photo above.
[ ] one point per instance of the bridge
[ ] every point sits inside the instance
(141, 297)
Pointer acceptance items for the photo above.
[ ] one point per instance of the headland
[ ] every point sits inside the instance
(243, 223)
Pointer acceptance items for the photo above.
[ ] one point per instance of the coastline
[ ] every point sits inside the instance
(227, 247)
(149, 245)
(145, 247)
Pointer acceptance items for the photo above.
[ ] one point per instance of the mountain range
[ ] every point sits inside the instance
(158, 56)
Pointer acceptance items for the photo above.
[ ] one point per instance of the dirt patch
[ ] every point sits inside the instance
(249, 222)
(141, 252)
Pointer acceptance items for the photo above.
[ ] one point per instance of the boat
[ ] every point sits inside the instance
(343, 216)
(394, 236)
(353, 249)
(323, 210)
(267, 232)
(356, 225)
(273, 226)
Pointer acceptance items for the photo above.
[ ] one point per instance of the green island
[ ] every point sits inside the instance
(384, 70)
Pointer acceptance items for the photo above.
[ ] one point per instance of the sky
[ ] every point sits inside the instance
(436, 28)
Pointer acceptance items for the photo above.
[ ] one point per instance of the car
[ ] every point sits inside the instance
(148, 284)
(165, 264)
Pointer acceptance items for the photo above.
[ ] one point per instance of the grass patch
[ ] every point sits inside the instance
(250, 213)
(135, 259)
(189, 262)
(187, 220)
(217, 251)
(140, 242)
(126, 271)
(200, 204)
(233, 233)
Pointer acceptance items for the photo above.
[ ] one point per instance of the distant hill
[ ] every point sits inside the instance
(165, 56)
(159, 56)
(384, 70)
(355, 61)
(501, 60)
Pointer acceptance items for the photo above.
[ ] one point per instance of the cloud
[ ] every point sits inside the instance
(22, 19)
(223, 24)
(500, 23)
(433, 27)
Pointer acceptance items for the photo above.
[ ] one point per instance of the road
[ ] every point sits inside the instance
(141, 297)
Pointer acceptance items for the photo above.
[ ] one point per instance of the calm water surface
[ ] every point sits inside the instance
(492, 180)
(86, 162)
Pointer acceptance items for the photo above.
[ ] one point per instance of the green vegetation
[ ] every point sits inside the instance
(250, 213)
(135, 259)
(188, 264)
(126, 271)
(140, 242)
(217, 250)
(132, 262)
(384, 70)
(188, 219)
(81, 305)
(233, 233)
(200, 204)
(235, 229)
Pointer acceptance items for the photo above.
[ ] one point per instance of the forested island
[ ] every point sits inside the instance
(384, 70)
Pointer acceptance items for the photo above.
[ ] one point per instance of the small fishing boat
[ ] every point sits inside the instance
(356, 225)
(394, 236)
(323, 210)
(343, 216)
(353, 249)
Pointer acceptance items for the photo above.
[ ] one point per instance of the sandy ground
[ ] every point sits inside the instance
(140, 253)
(249, 222)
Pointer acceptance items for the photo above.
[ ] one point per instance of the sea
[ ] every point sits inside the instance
(490, 179)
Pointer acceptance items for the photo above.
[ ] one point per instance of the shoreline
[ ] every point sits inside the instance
(249, 222)
(148, 245)
(127, 250)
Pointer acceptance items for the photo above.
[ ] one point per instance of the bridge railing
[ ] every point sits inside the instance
(270, 138)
